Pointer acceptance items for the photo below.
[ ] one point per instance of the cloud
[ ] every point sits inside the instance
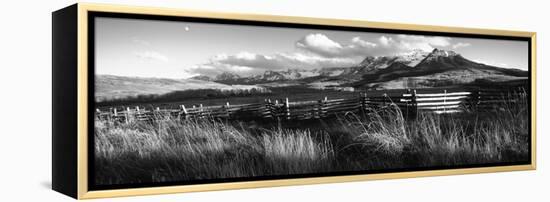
(405, 43)
(384, 45)
(151, 55)
(317, 51)
(460, 45)
(424, 40)
(213, 69)
(246, 63)
(321, 45)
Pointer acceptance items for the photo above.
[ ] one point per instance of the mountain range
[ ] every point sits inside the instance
(426, 68)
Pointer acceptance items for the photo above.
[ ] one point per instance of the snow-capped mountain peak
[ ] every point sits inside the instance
(439, 54)
(413, 57)
(445, 53)
(292, 74)
(368, 60)
(270, 75)
(227, 76)
(414, 52)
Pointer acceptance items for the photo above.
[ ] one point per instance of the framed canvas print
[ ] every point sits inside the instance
(151, 100)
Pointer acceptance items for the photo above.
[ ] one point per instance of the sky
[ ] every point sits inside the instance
(170, 49)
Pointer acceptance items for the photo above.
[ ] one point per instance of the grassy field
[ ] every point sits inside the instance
(209, 97)
(377, 139)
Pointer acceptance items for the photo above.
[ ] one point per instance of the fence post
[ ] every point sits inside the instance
(158, 111)
(287, 109)
(183, 112)
(98, 113)
(227, 109)
(137, 115)
(114, 115)
(156, 115)
(267, 111)
(128, 114)
(201, 111)
(110, 115)
(276, 110)
(478, 97)
(324, 107)
(414, 105)
(384, 96)
(318, 109)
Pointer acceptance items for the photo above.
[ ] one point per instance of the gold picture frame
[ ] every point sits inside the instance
(77, 186)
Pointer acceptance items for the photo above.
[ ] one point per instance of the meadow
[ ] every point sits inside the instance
(169, 149)
(210, 97)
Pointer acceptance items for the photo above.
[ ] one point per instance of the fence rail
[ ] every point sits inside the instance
(410, 102)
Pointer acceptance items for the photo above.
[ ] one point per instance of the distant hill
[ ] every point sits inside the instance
(276, 76)
(202, 78)
(109, 87)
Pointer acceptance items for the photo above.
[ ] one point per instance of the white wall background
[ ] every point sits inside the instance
(25, 76)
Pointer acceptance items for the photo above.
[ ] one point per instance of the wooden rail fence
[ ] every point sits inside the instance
(410, 102)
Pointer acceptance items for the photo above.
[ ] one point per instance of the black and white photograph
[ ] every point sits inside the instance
(194, 101)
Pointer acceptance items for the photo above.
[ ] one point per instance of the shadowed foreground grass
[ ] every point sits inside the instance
(172, 150)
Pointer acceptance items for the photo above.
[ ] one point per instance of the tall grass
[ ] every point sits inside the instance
(174, 150)
(296, 151)
(202, 149)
